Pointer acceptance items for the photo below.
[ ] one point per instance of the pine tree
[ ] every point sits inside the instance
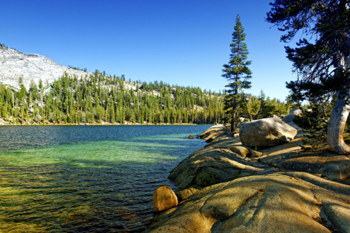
(236, 71)
(98, 98)
(23, 91)
(322, 64)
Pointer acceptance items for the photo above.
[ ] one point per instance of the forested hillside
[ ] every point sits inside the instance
(33, 92)
(104, 99)
(101, 99)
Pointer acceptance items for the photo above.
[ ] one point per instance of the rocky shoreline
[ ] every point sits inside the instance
(227, 187)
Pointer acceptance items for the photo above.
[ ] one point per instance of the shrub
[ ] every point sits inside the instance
(314, 124)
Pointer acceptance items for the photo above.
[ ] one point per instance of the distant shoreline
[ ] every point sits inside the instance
(100, 124)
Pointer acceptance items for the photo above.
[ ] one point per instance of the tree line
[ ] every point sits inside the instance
(99, 98)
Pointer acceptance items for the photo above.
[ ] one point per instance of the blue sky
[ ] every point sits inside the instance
(182, 42)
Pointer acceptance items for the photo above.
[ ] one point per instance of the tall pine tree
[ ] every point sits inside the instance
(236, 72)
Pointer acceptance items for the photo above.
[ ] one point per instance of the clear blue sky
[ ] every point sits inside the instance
(182, 42)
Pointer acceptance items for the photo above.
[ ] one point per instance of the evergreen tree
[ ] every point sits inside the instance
(236, 71)
(98, 98)
(33, 89)
(323, 64)
(41, 84)
(23, 91)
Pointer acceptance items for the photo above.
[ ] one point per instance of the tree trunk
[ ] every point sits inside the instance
(233, 122)
(340, 112)
(336, 125)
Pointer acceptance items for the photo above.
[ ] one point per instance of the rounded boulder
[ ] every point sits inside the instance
(266, 133)
(296, 112)
(288, 118)
(164, 198)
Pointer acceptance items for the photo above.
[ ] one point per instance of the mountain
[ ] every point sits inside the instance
(72, 96)
(30, 66)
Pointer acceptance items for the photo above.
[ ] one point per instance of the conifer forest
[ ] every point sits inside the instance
(101, 99)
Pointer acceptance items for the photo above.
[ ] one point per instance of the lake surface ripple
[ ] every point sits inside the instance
(86, 178)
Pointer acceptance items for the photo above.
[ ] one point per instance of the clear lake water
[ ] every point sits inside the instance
(87, 178)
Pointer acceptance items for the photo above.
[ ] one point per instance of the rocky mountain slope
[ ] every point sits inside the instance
(93, 98)
(30, 66)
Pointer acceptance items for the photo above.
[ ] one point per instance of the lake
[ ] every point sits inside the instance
(87, 178)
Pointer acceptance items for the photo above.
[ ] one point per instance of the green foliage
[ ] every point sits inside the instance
(314, 123)
(99, 98)
(323, 64)
(236, 72)
(257, 107)
(205, 179)
(77, 68)
(23, 91)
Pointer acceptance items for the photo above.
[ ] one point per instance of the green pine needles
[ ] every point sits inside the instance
(236, 72)
(100, 99)
(314, 124)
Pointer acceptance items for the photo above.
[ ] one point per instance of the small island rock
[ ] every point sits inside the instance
(164, 198)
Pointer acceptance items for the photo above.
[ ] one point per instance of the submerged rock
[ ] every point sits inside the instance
(164, 198)
(266, 133)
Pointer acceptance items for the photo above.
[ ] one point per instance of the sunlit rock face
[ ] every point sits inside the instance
(266, 133)
(164, 198)
(284, 190)
(292, 113)
(30, 66)
(278, 202)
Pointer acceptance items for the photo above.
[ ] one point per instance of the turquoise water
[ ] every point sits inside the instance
(86, 178)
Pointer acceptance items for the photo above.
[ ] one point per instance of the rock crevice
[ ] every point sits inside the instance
(284, 190)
